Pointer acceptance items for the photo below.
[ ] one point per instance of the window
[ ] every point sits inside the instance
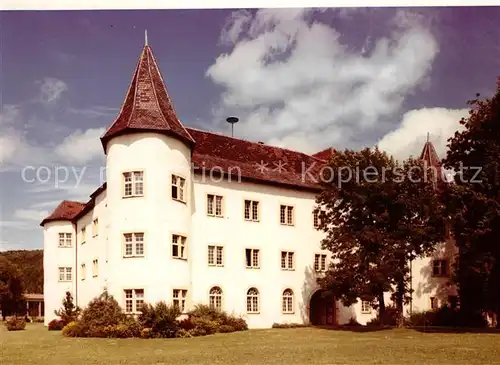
(251, 210)
(95, 227)
(287, 301)
(178, 184)
(434, 303)
(287, 260)
(134, 300)
(252, 300)
(215, 298)
(317, 217)
(133, 183)
(83, 234)
(179, 299)
(252, 258)
(95, 268)
(286, 215)
(83, 272)
(134, 244)
(64, 239)
(215, 256)
(319, 262)
(440, 268)
(214, 205)
(178, 246)
(65, 274)
(366, 307)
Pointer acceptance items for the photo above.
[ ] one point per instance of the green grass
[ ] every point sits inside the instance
(36, 345)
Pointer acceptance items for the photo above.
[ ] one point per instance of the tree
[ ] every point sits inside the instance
(473, 204)
(11, 289)
(30, 265)
(377, 215)
(69, 312)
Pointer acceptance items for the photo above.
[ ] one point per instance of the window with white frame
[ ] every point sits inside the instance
(134, 244)
(133, 183)
(214, 205)
(253, 300)
(215, 297)
(83, 272)
(65, 239)
(179, 299)
(366, 306)
(286, 215)
(95, 227)
(320, 262)
(215, 255)
(287, 301)
(65, 274)
(83, 234)
(317, 217)
(440, 268)
(287, 260)
(134, 300)
(252, 210)
(95, 268)
(178, 246)
(252, 258)
(178, 188)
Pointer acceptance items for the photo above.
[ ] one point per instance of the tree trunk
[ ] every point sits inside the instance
(399, 303)
(381, 308)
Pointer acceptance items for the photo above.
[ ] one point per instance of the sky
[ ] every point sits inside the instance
(303, 79)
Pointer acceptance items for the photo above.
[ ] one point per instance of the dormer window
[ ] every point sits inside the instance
(133, 184)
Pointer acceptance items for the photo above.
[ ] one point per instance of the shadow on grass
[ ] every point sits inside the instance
(355, 328)
(455, 330)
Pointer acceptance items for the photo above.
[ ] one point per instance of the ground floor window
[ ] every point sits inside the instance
(179, 299)
(134, 300)
(287, 301)
(252, 300)
(215, 297)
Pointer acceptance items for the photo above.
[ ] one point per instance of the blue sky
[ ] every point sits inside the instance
(297, 78)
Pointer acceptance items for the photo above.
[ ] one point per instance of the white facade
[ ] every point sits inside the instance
(156, 273)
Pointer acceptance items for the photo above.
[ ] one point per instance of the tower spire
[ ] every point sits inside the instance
(145, 37)
(427, 136)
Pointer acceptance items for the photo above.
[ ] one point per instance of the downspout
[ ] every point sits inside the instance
(76, 263)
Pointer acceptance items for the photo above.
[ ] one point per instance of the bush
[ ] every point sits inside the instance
(146, 333)
(74, 329)
(101, 312)
(161, 318)
(207, 325)
(226, 329)
(38, 320)
(15, 324)
(69, 312)
(56, 325)
(197, 331)
(182, 333)
(238, 323)
(186, 324)
(421, 319)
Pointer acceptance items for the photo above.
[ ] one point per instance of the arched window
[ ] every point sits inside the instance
(215, 297)
(252, 300)
(287, 301)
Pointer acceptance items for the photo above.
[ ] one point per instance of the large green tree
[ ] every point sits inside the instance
(378, 215)
(473, 203)
(30, 264)
(11, 288)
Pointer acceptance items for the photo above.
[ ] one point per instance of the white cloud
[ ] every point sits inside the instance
(409, 138)
(81, 146)
(291, 78)
(51, 89)
(30, 214)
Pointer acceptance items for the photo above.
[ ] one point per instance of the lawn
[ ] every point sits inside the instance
(36, 345)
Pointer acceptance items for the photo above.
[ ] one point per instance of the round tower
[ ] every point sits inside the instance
(149, 192)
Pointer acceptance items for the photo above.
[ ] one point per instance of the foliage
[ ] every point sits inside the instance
(473, 204)
(226, 329)
(69, 312)
(161, 318)
(15, 323)
(205, 325)
(30, 266)
(182, 333)
(378, 215)
(74, 329)
(56, 325)
(391, 318)
(210, 314)
(102, 311)
(11, 289)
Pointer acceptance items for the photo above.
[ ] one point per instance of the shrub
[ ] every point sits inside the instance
(69, 312)
(390, 318)
(74, 329)
(197, 331)
(161, 318)
(421, 319)
(37, 319)
(102, 311)
(238, 323)
(226, 329)
(186, 324)
(56, 325)
(207, 325)
(146, 333)
(15, 324)
(182, 333)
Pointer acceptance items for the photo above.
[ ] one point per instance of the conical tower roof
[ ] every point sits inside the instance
(147, 106)
(431, 159)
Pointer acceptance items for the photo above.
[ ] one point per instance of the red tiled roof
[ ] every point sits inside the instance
(67, 210)
(147, 106)
(430, 157)
(325, 154)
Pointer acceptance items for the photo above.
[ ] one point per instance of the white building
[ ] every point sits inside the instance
(189, 216)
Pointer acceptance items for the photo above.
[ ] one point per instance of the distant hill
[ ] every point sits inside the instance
(30, 263)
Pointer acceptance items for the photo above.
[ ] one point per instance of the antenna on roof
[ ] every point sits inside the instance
(145, 37)
(232, 121)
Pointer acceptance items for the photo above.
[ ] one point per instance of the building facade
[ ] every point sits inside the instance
(189, 216)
